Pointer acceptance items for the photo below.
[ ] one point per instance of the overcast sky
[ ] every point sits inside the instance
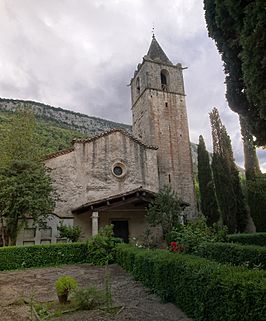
(81, 54)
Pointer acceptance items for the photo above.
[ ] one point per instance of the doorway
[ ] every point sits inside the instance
(121, 229)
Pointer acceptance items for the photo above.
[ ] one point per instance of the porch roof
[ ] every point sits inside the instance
(139, 194)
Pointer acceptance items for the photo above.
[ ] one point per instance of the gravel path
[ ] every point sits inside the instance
(138, 303)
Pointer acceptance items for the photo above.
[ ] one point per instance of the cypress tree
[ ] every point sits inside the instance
(208, 202)
(226, 177)
(255, 180)
(238, 28)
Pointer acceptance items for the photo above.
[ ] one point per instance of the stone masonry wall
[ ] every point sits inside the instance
(160, 118)
(85, 174)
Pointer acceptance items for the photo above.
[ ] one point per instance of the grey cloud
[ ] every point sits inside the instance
(80, 55)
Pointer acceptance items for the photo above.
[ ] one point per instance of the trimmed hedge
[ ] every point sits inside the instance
(250, 255)
(203, 289)
(19, 257)
(249, 238)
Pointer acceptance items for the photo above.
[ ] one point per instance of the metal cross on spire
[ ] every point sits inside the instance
(153, 34)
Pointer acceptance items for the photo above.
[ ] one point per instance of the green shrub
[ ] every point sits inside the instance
(19, 257)
(203, 289)
(65, 284)
(249, 238)
(249, 255)
(195, 232)
(89, 298)
(101, 247)
(72, 233)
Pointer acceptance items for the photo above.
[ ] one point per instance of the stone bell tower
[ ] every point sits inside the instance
(160, 119)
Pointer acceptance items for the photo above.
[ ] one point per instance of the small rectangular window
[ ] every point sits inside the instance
(45, 241)
(29, 233)
(166, 104)
(28, 243)
(46, 233)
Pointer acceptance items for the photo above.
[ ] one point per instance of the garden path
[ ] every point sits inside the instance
(139, 304)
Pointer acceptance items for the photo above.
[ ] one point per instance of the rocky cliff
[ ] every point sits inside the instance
(72, 120)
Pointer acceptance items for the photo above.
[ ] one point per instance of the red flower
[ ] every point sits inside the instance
(175, 247)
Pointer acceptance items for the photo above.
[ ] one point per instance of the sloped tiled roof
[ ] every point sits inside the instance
(108, 132)
(113, 199)
(156, 52)
(59, 153)
(91, 139)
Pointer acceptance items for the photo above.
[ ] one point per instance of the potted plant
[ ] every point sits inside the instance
(63, 286)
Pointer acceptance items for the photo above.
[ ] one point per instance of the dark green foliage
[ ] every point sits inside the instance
(256, 191)
(72, 233)
(165, 210)
(102, 247)
(89, 298)
(238, 28)
(25, 187)
(255, 180)
(208, 202)
(195, 232)
(249, 255)
(49, 135)
(226, 177)
(249, 238)
(252, 167)
(19, 257)
(203, 289)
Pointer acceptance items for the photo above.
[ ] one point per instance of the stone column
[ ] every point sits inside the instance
(94, 225)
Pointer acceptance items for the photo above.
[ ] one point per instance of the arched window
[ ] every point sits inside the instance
(138, 85)
(164, 79)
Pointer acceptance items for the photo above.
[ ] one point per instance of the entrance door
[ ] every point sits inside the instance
(121, 230)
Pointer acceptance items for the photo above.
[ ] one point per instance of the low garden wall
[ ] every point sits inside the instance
(204, 289)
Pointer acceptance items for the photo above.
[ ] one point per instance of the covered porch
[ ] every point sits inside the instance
(126, 211)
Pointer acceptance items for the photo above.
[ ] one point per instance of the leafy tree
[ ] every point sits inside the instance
(226, 177)
(239, 30)
(165, 210)
(25, 187)
(208, 202)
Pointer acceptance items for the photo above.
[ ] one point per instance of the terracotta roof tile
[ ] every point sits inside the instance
(108, 132)
(59, 153)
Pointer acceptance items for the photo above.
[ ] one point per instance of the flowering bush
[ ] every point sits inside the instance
(194, 233)
(176, 247)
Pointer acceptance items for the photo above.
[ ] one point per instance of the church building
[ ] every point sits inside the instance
(111, 178)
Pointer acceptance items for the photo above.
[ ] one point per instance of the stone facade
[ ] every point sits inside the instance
(111, 178)
(160, 118)
(85, 174)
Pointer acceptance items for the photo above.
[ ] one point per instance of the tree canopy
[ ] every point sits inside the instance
(25, 187)
(227, 182)
(239, 30)
(208, 202)
(165, 210)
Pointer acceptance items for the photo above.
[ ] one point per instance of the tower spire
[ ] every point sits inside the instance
(156, 52)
